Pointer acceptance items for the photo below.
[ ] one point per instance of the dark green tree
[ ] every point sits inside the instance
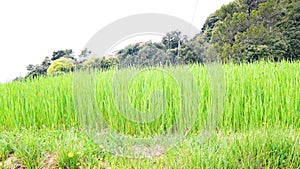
(174, 39)
(68, 53)
(38, 70)
(251, 30)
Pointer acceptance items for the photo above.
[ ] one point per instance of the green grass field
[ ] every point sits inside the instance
(258, 128)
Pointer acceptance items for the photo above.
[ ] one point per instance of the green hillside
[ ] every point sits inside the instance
(251, 30)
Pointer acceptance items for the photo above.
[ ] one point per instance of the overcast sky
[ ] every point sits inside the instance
(33, 29)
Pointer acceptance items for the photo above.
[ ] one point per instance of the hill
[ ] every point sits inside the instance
(251, 30)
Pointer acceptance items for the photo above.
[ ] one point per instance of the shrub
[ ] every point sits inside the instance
(60, 66)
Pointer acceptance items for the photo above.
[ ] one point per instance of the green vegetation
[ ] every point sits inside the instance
(61, 65)
(256, 40)
(256, 93)
(98, 63)
(243, 31)
(262, 148)
(251, 30)
(64, 61)
(259, 126)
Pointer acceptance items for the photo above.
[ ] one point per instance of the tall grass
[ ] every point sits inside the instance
(257, 95)
(39, 103)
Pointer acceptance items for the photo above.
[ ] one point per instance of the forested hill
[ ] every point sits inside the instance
(250, 30)
(241, 31)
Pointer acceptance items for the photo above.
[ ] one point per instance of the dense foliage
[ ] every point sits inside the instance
(148, 53)
(241, 31)
(60, 66)
(65, 61)
(251, 30)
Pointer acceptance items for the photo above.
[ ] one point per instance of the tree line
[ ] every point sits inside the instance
(241, 31)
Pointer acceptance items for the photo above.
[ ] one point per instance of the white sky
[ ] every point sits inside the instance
(33, 29)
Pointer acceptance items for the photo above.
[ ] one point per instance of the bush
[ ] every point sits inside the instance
(60, 66)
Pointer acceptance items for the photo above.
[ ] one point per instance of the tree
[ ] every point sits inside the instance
(193, 50)
(68, 53)
(251, 30)
(174, 39)
(60, 66)
(99, 63)
(208, 26)
(146, 54)
(130, 50)
(35, 71)
(84, 54)
(151, 55)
